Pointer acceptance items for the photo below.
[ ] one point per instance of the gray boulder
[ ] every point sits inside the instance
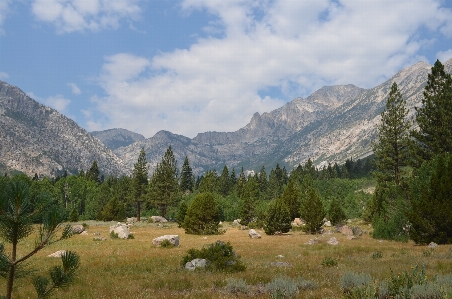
(196, 263)
(173, 239)
(333, 241)
(357, 231)
(254, 234)
(432, 245)
(78, 229)
(122, 230)
(58, 253)
(158, 219)
(347, 230)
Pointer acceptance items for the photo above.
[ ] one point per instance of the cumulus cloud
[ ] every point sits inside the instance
(79, 15)
(75, 89)
(3, 76)
(292, 46)
(443, 56)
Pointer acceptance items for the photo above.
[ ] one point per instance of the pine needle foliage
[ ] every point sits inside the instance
(311, 210)
(278, 219)
(203, 216)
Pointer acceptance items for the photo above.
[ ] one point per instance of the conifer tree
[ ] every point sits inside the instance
(278, 219)
(93, 173)
(241, 182)
(336, 214)
(392, 147)
(186, 177)
(249, 198)
(164, 182)
(224, 182)
(209, 183)
(263, 182)
(140, 181)
(291, 198)
(434, 117)
(203, 216)
(233, 179)
(311, 210)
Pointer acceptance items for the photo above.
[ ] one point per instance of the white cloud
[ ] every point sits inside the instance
(296, 46)
(443, 56)
(79, 15)
(58, 102)
(75, 89)
(3, 76)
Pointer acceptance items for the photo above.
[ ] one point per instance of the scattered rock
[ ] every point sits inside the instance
(333, 241)
(96, 234)
(58, 253)
(122, 230)
(351, 237)
(236, 222)
(297, 222)
(357, 231)
(158, 219)
(85, 233)
(327, 223)
(99, 238)
(281, 264)
(312, 242)
(78, 229)
(432, 245)
(131, 220)
(280, 256)
(346, 230)
(196, 263)
(173, 239)
(254, 234)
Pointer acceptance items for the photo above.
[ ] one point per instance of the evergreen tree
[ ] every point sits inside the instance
(233, 179)
(140, 181)
(249, 197)
(309, 169)
(276, 182)
(291, 198)
(209, 183)
(186, 177)
(93, 173)
(224, 182)
(431, 193)
(113, 210)
(336, 214)
(181, 212)
(434, 117)
(392, 147)
(311, 210)
(164, 182)
(203, 216)
(263, 183)
(278, 219)
(241, 182)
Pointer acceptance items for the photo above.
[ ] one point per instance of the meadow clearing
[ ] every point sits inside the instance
(134, 268)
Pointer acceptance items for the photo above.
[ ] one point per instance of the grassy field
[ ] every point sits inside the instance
(135, 268)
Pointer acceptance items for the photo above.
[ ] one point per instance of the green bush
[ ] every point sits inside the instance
(203, 216)
(329, 262)
(278, 219)
(166, 244)
(114, 235)
(286, 287)
(377, 255)
(336, 214)
(220, 255)
(236, 286)
(351, 281)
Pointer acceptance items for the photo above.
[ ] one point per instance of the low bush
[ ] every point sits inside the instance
(377, 255)
(329, 262)
(236, 286)
(286, 287)
(220, 255)
(166, 244)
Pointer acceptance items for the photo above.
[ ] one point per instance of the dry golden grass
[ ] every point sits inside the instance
(135, 268)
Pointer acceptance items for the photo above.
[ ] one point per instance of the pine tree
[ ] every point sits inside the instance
(203, 216)
(140, 181)
(291, 198)
(263, 182)
(431, 193)
(434, 117)
(241, 182)
(209, 183)
(249, 198)
(392, 147)
(224, 182)
(278, 219)
(311, 210)
(233, 179)
(93, 173)
(336, 214)
(186, 177)
(164, 182)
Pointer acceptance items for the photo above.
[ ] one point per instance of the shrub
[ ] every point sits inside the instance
(351, 280)
(336, 214)
(377, 255)
(181, 212)
(114, 235)
(286, 287)
(311, 210)
(278, 218)
(220, 255)
(329, 262)
(203, 216)
(166, 244)
(236, 285)
(73, 217)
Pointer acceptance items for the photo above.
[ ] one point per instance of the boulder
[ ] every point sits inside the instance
(173, 239)
(85, 233)
(357, 231)
(351, 237)
(297, 222)
(327, 223)
(122, 230)
(58, 253)
(312, 242)
(158, 219)
(196, 263)
(346, 230)
(432, 245)
(131, 220)
(333, 241)
(78, 229)
(236, 222)
(254, 234)
(281, 264)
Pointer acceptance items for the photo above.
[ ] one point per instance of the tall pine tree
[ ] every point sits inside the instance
(140, 181)
(164, 182)
(186, 177)
(434, 117)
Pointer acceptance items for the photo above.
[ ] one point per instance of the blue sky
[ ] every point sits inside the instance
(192, 66)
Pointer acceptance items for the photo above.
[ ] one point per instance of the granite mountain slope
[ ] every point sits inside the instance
(37, 139)
(333, 124)
(116, 138)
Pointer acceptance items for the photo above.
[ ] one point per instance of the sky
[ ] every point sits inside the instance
(191, 66)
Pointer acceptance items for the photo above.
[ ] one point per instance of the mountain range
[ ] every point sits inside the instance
(333, 124)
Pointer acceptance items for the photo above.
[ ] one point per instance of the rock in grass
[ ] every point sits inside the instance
(158, 219)
(254, 234)
(122, 230)
(432, 245)
(78, 229)
(333, 241)
(173, 239)
(196, 263)
(58, 253)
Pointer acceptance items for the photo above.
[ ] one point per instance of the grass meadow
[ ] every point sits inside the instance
(134, 268)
